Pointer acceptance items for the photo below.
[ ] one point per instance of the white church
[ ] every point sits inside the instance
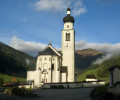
(53, 66)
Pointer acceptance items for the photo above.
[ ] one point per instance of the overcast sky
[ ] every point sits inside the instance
(29, 25)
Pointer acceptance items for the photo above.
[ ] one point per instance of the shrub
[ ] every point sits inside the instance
(101, 93)
(19, 91)
(101, 89)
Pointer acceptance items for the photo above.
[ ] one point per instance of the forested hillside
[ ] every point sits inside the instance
(14, 62)
(101, 70)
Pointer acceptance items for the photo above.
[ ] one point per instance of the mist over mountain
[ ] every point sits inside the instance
(15, 62)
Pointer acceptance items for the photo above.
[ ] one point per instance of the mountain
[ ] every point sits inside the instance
(84, 58)
(14, 62)
(103, 67)
(101, 70)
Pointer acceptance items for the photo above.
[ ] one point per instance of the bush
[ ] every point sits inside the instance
(19, 91)
(101, 93)
(101, 89)
(8, 90)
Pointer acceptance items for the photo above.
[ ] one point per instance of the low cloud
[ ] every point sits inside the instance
(27, 61)
(103, 58)
(108, 49)
(33, 48)
(30, 48)
(79, 9)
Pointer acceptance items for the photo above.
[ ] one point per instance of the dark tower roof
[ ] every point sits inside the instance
(68, 9)
(68, 18)
(113, 67)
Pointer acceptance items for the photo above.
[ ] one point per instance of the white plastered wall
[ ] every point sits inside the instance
(34, 76)
(68, 24)
(52, 75)
(116, 75)
(64, 77)
(69, 53)
(91, 79)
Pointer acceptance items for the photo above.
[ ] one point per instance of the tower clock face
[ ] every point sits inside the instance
(67, 45)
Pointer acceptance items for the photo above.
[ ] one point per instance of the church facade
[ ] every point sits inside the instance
(54, 66)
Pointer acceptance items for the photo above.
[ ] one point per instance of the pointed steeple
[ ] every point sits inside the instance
(68, 18)
(68, 9)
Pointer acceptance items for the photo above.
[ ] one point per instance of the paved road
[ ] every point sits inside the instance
(55, 94)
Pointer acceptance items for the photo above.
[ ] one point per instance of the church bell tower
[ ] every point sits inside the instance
(68, 46)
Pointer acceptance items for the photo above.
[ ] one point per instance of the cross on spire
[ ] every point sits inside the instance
(68, 4)
(49, 42)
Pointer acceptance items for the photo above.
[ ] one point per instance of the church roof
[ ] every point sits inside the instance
(68, 9)
(50, 50)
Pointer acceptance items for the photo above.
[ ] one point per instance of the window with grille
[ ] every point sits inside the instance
(67, 36)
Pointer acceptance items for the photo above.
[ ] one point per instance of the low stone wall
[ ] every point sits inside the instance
(65, 85)
(93, 84)
(74, 84)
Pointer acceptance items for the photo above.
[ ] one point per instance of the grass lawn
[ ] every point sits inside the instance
(8, 78)
(82, 77)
